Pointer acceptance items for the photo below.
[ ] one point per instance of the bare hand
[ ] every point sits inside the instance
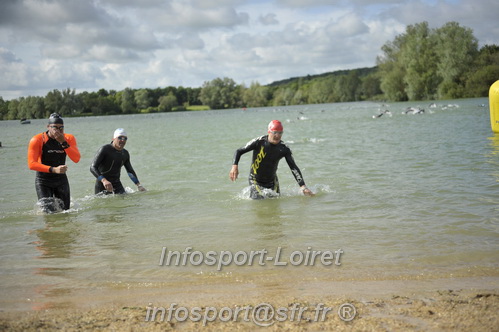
(108, 185)
(139, 186)
(58, 135)
(62, 169)
(307, 192)
(234, 172)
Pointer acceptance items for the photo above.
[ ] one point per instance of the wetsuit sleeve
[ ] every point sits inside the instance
(294, 169)
(251, 145)
(130, 170)
(72, 152)
(35, 155)
(98, 159)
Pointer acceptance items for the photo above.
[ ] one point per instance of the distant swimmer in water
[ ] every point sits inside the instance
(47, 153)
(387, 112)
(107, 164)
(414, 110)
(267, 151)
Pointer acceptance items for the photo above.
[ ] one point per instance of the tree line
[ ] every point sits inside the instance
(420, 64)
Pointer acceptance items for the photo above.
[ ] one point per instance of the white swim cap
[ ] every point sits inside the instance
(119, 132)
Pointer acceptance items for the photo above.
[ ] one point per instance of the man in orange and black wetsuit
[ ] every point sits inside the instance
(47, 153)
(267, 151)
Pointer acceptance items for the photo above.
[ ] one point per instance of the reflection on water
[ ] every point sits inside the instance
(56, 239)
(494, 154)
(268, 220)
(494, 143)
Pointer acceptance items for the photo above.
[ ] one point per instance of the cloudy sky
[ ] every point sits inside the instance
(113, 44)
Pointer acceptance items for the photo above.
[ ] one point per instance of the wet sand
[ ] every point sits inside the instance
(450, 304)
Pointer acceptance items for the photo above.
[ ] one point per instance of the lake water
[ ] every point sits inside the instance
(403, 196)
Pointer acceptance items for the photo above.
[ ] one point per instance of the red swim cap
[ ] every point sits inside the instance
(275, 125)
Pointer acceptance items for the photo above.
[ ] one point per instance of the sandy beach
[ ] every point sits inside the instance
(455, 304)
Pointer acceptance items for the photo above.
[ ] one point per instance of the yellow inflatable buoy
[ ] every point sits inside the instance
(494, 106)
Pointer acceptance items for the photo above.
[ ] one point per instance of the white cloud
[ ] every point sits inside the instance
(13, 72)
(349, 25)
(112, 44)
(190, 41)
(268, 19)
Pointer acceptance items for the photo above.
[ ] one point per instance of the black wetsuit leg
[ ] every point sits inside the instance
(48, 190)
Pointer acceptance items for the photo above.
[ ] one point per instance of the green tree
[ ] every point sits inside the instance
(142, 99)
(13, 107)
(70, 104)
(322, 90)
(31, 108)
(193, 96)
(127, 101)
(408, 65)
(426, 64)
(4, 109)
(88, 100)
(456, 48)
(370, 86)
(102, 93)
(348, 87)
(221, 93)
(393, 84)
(38, 107)
(420, 61)
(483, 73)
(283, 96)
(54, 102)
(392, 70)
(182, 95)
(256, 95)
(23, 109)
(167, 103)
(155, 94)
(104, 106)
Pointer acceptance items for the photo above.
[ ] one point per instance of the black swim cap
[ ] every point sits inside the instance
(55, 118)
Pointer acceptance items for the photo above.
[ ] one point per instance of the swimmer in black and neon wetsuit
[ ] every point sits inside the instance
(47, 153)
(267, 151)
(107, 164)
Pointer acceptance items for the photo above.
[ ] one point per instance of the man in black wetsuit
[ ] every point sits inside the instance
(107, 164)
(267, 151)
